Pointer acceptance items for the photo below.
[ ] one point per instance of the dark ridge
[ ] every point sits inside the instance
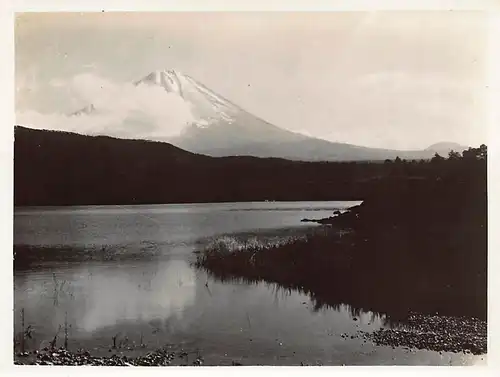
(62, 168)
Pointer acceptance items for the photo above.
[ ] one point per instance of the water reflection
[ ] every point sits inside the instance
(99, 296)
(126, 296)
(316, 304)
(166, 301)
(126, 273)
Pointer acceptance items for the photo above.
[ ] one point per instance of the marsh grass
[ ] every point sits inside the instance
(66, 328)
(26, 334)
(392, 272)
(61, 289)
(30, 256)
(23, 346)
(53, 342)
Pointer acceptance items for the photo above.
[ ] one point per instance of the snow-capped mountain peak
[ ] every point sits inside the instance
(170, 80)
(217, 127)
(208, 106)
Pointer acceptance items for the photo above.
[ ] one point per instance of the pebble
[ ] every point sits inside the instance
(435, 333)
(160, 357)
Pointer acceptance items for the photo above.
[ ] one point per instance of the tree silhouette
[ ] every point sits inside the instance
(483, 151)
(480, 153)
(454, 156)
(437, 158)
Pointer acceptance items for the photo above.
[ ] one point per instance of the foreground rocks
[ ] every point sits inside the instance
(61, 356)
(424, 332)
(435, 333)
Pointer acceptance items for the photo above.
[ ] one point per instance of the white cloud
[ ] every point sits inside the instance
(122, 109)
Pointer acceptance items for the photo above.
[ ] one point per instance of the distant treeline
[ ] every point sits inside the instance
(61, 168)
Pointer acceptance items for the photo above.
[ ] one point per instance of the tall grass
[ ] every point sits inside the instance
(66, 330)
(334, 268)
(23, 346)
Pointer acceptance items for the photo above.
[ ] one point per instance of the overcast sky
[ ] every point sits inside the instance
(401, 80)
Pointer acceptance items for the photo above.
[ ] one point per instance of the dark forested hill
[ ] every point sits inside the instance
(60, 168)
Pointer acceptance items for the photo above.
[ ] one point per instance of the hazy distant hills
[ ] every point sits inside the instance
(224, 129)
(444, 148)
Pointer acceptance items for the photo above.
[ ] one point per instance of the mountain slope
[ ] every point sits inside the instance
(225, 129)
(220, 123)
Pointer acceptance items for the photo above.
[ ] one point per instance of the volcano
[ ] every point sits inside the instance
(222, 128)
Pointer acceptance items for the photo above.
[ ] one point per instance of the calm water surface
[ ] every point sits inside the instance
(158, 297)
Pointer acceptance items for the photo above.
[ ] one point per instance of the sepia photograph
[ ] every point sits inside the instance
(250, 188)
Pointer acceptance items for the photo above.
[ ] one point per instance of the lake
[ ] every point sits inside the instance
(146, 290)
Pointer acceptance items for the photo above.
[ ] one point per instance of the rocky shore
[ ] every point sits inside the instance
(60, 356)
(435, 333)
(417, 332)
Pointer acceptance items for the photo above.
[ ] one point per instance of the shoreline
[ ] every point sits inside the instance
(440, 334)
(400, 252)
(403, 253)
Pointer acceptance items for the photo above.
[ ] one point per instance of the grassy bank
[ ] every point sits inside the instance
(415, 244)
(335, 270)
